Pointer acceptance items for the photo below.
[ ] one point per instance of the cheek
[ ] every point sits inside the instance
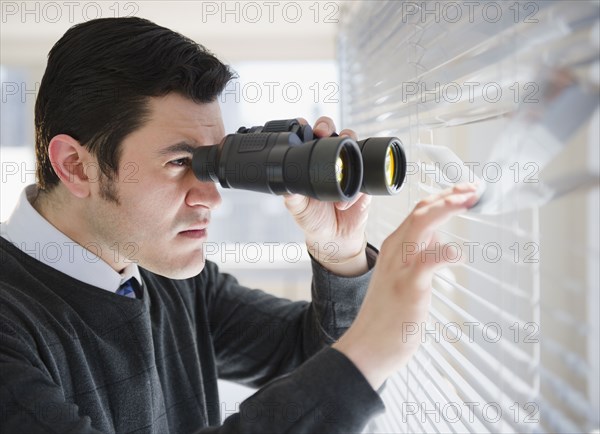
(151, 204)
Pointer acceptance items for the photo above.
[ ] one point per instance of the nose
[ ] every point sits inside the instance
(203, 194)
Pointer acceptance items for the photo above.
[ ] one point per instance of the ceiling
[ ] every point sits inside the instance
(235, 30)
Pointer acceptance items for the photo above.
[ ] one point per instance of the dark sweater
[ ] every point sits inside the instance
(75, 358)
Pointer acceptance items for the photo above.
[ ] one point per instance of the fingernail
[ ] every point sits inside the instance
(322, 126)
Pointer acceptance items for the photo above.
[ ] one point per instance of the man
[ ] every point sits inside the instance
(129, 329)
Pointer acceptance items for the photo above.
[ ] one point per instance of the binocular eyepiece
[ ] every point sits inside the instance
(283, 157)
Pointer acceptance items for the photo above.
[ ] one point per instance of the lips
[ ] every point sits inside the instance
(195, 231)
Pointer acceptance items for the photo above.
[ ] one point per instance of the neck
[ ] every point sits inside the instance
(69, 217)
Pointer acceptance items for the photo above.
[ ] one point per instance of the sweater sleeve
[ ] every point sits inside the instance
(258, 337)
(327, 394)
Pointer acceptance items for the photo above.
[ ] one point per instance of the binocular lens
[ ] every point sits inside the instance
(334, 168)
(390, 167)
(339, 166)
(384, 165)
(342, 166)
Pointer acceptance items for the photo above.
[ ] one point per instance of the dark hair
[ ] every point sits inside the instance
(99, 77)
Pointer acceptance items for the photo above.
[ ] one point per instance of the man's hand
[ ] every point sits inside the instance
(334, 232)
(400, 290)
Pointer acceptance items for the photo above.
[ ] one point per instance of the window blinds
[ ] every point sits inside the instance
(505, 93)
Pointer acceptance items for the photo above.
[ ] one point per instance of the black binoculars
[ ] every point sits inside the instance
(283, 157)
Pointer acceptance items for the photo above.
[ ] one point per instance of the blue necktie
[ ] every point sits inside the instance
(128, 289)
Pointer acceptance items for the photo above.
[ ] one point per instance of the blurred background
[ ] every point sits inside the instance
(501, 92)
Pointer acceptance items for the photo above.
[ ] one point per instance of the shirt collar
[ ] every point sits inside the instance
(34, 235)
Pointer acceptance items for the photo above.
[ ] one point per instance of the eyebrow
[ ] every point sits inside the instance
(178, 148)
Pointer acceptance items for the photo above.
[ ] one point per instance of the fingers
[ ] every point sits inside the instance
(420, 224)
(349, 133)
(324, 127)
(364, 199)
(458, 188)
(296, 203)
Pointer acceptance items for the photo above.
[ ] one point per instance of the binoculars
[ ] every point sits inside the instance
(283, 157)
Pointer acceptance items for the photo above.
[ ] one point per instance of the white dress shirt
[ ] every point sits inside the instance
(34, 235)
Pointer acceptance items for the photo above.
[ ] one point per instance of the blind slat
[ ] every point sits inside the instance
(398, 64)
(464, 389)
(489, 362)
(497, 311)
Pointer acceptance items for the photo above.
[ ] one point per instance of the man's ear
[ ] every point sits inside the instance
(72, 164)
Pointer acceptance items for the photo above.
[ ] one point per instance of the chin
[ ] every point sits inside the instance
(179, 271)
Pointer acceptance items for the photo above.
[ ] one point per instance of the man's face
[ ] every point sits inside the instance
(163, 210)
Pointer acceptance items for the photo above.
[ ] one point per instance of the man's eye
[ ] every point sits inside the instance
(181, 162)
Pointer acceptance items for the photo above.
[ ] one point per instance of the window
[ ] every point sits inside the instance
(510, 91)
(16, 136)
(252, 232)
